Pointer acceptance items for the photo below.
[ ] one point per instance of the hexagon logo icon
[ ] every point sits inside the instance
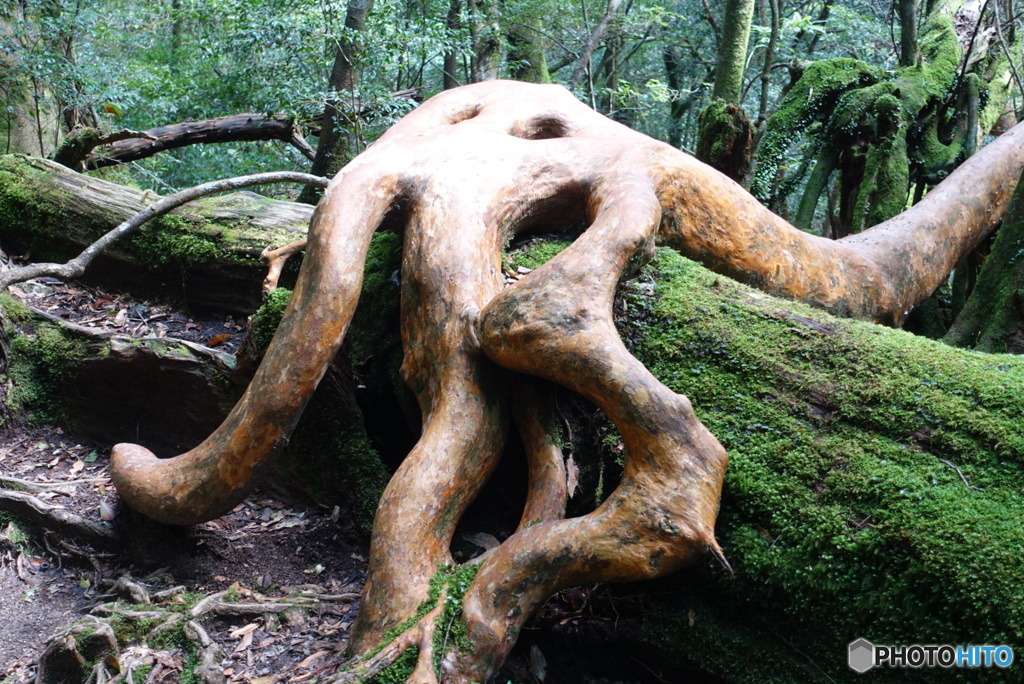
(861, 655)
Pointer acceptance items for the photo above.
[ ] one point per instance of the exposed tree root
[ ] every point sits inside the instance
(164, 621)
(54, 518)
(458, 177)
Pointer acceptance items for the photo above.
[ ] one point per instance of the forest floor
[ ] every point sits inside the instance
(275, 582)
(269, 548)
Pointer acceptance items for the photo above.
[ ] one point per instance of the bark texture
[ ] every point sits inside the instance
(536, 158)
(234, 128)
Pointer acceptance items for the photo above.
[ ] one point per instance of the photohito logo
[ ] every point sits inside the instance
(864, 655)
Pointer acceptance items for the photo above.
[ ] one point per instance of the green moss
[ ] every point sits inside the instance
(451, 628)
(843, 512)
(40, 363)
(332, 456)
(12, 313)
(811, 99)
(140, 673)
(534, 254)
(173, 241)
(378, 301)
(399, 671)
(263, 324)
(724, 137)
(330, 452)
(14, 531)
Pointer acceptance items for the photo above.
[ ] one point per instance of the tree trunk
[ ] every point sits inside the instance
(526, 52)
(335, 146)
(109, 385)
(487, 45)
(725, 132)
(550, 162)
(867, 467)
(732, 50)
(593, 40)
(207, 252)
(28, 120)
(908, 33)
(453, 23)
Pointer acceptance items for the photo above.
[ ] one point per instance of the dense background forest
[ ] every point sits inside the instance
(869, 466)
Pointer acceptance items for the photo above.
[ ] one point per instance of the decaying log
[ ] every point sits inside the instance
(76, 266)
(207, 252)
(113, 384)
(458, 176)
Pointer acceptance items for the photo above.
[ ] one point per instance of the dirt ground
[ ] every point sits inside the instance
(265, 546)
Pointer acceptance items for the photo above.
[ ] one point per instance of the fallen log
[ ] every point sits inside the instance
(207, 252)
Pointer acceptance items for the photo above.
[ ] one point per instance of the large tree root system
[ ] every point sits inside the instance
(459, 177)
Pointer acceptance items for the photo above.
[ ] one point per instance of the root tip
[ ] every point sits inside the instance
(719, 556)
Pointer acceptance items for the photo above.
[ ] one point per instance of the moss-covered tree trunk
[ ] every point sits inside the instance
(873, 487)
(992, 320)
(526, 51)
(725, 132)
(206, 253)
(883, 135)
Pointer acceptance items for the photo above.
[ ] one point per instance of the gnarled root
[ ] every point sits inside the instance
(461, 174)
(215, 476)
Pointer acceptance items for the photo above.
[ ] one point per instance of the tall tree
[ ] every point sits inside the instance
(335, 147)
(725, 132)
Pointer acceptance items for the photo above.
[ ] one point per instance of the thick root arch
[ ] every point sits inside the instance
(458, 177)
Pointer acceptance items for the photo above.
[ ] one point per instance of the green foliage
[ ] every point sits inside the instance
(263, 324)
(845, 512)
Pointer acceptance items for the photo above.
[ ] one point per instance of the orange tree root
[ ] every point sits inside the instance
(458, 177)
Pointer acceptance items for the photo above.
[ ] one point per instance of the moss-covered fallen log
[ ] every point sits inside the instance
(207, 252)
(104, 385)
(874, 487)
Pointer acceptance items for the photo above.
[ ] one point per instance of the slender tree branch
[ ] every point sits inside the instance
(583, 63)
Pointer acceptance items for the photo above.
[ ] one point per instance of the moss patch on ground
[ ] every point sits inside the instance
(40, 361)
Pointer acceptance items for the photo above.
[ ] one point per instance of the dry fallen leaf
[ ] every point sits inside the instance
(244, 643)
(242, 631)
(218, 339)
(78, 466)
(310, 659)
